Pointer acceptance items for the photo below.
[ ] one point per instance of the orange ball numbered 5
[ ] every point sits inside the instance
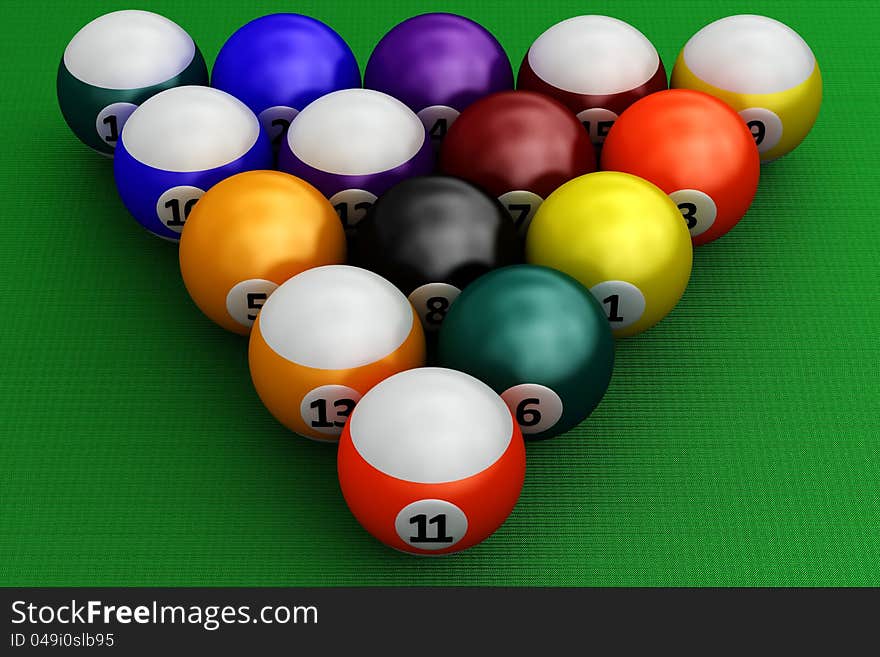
(323, 339)
(695, 148)
(250, 233)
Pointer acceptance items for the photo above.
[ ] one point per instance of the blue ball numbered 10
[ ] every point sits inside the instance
(176, 146)
(280, 63)
(114, 64)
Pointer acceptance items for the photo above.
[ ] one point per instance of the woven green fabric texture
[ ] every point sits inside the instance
(738, 443)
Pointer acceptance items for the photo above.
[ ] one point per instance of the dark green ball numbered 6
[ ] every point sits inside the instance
(539, 339)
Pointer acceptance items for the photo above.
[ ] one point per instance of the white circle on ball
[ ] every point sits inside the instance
(356, 132)
(111, 120)
(352, 205)
(697, 208)
(335, 317)
(765, 126)
(276, 120)
(598, 121)
(129, 49)
(431, 425)
(190, 128)
(521, 205)
(175, 204)
(437, 120)
(327, 408)
(749, 54)
(432, 301)
(536, 408)
(431, 524)
(623, 302)
(596, 55)
(245, 299)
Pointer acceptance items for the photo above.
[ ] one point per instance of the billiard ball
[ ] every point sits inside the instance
(250, 233)
(438, 64)
(519, 146)
(596, 65)
(176, 146)
(620, 236)
(278, 64)
(323, 339)
(114, 64)
(353, 145)
(431, 461)
(539, 339)
(696, 149)
(764, 70)
(433, 235)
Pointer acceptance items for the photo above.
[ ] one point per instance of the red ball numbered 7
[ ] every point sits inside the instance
(323, 339)
(431, 461)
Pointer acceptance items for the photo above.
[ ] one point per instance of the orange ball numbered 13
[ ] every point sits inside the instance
(323, 339)
(250, 233)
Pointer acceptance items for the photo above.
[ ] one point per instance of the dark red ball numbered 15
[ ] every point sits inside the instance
(519, 146)
(695, 148)
(432, 236)
(597, 65)
(431, 461)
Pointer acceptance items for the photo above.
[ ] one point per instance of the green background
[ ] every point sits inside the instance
(738, 443)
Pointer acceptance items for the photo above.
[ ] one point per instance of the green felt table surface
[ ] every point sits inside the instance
(738, 444)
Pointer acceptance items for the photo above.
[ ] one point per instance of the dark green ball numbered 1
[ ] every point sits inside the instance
(114, 64)
(539, 339)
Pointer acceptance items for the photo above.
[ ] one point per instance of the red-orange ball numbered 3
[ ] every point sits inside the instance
(695, 148)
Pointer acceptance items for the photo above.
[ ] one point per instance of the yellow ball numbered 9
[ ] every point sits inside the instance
(764, 70)
(623, 239)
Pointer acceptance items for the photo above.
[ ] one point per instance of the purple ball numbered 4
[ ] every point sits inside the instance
(438, 64)
(278, 64)
(176, 146)
(353, 145)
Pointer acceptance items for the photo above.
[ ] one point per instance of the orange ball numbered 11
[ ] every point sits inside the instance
(695, 148)
(323, 339)
(250, 233)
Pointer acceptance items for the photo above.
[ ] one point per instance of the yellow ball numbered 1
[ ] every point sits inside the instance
(764, 70)
(621, 237)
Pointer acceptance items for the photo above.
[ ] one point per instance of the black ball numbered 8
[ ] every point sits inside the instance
(431, 236)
